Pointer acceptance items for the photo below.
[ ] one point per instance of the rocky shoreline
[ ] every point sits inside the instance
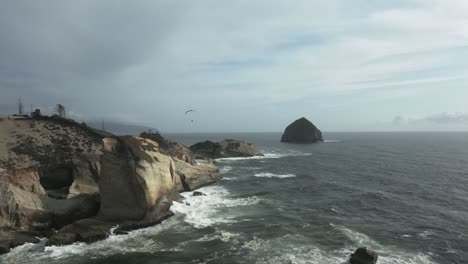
(70, 183)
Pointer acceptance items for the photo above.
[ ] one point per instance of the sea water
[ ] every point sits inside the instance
(404, 195)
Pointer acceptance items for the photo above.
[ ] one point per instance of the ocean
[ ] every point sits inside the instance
(404, 195)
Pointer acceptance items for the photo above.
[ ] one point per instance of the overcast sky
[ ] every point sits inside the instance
(252, 65)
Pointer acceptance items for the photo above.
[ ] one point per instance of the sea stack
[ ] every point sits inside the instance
(302, 131)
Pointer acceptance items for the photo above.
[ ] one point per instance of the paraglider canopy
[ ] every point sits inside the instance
(188, 113)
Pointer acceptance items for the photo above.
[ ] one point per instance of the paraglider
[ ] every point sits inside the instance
(187, 115)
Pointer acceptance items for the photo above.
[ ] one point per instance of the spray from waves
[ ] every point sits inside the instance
(230, 178)
(289, 249)
(225, 169)
(272, 175)
(387, 254)
(224, 236)
(204, 211)
(267, 155)
(135, 241)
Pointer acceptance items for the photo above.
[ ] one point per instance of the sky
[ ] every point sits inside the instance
(244, 66)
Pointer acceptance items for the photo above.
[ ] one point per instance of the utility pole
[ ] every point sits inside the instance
(20, 107)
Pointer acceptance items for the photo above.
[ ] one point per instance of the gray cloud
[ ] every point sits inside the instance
(435, 119)
(147, 62)
(446, 118)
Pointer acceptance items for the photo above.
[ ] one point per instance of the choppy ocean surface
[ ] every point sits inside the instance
(404, 195)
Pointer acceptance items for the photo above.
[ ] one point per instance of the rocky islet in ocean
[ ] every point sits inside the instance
(224, 149)
(302, 131)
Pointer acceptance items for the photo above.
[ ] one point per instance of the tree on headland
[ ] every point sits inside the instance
(60, 109)
(20, 107)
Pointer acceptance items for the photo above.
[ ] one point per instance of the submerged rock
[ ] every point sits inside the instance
(198, 194)
(363, 256)
(224, 149)
(302, 131)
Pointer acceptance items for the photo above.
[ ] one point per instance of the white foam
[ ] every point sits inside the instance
(135, 241)
(224, 236)
(387, 254)
(331, 141)
(426, 233)
(230, 178)
(267, 155)
(225, 169)
(272, 175)
(204, 211)
(289, 249)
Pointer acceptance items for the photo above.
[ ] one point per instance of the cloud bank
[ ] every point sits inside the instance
(244, 65)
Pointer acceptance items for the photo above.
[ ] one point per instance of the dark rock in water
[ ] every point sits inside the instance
(302, 131)
(224, 149)
(13, 239)
(198, 194)
(364, 256)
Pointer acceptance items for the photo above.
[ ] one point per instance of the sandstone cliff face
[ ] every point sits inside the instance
(25, 210)
(169, 147)
(224, 149)
(302, 131)
(135, 176)
(196, 176)
(19, 208)
(65, 154)
(125, 181)
(86, 174)
(26, 179)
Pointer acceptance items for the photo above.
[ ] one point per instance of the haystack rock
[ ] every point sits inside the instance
(302, 131)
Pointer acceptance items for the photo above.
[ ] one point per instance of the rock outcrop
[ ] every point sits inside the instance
(363, 256)
(224, 149)
(302, 131)
(62, 180)
(25, 210)
(137, 186)
(27, 179)
(196, 176)
(169, 147)
(176, 150)
(134, 179)
(86, 171)
(11, 239)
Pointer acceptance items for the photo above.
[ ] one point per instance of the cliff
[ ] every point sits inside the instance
(63, 180)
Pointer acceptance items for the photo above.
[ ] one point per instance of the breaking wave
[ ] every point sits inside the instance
(272, 175)
(267, 155)
(204, 211)
(387, 254)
